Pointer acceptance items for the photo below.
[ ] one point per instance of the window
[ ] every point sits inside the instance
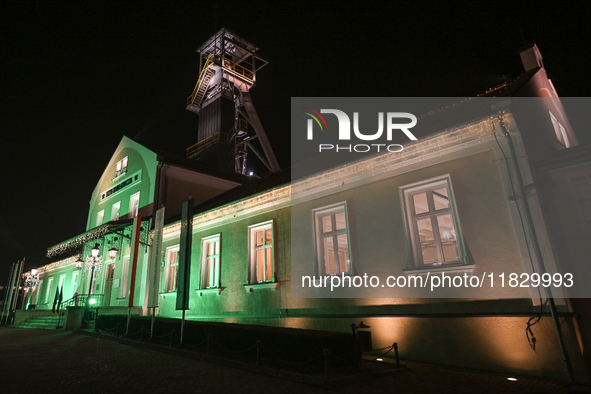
(172, 268)
(121, 167)
(48, 290)
(60, 286)
(74, 284)
(36, 294)
(210, 262)
(116, 210)
(134, 204)
(333, 255)
(124, 276)
(432, 224)
(260, 253)
(559, 131)
(100, 217)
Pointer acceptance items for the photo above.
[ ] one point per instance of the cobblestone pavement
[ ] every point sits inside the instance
(41, 361)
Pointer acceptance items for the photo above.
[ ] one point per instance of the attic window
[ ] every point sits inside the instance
(121, 167)
(560, 131)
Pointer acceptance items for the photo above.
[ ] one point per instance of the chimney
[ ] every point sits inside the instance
(531, 57)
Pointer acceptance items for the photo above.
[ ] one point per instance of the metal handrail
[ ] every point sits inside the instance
(191, 98)
(238, 69)
(79, 300)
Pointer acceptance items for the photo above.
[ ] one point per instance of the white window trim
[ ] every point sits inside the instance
(48, 290)
(413, 244)
(124, 277)
(252, 274)
(101, 216)
(318, 213)
(116, 211)
(120, 169)
(61, 282)
(137, 208)
(75, 275)
(559, 131)
(217, 280)
(169, 251)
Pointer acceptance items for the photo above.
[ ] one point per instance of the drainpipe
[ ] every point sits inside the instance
(537, 251)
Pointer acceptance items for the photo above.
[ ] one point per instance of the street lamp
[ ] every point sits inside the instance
(31, 280)
(93, 262)
(113, 253)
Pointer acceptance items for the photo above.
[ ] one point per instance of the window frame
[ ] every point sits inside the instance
(75, 275)
(100, 217)
(121, 166)
(170, 251)
(415, 258)
(205, 241)
(48, 290)
(124, 277)
(137, 207)
(559, 131)
(252, 262)
(319, 236)
(116, 211)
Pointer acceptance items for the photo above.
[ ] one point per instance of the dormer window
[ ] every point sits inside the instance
(560, 132)
(121, 167)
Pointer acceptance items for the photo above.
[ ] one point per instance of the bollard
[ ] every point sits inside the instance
(208, 338)
(258, 352)
(326, 353)
(395, 346)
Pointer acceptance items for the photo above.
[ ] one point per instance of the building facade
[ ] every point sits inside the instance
(451, 202)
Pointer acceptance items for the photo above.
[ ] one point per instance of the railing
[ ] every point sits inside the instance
(238, 69)
(192, 96)
(86, 300)
(228, 65)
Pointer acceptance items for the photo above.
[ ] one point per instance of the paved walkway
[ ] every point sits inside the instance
(41, 361)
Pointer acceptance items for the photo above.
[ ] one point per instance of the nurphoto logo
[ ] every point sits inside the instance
(391, 119)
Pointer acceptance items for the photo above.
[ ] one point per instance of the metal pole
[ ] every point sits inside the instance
(182, 328)
(6, 294)
(11, 290)
(91, 277)
(538, 251)
(128, 320)
(153, 321)
(17, 284)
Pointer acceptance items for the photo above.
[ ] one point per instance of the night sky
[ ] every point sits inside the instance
(77, 76)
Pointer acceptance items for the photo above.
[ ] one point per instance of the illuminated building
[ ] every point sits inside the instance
(458, 182)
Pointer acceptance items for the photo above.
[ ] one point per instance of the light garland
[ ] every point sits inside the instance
(57, 264)
(76, 242)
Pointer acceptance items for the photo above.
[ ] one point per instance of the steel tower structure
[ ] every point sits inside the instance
(228, 121)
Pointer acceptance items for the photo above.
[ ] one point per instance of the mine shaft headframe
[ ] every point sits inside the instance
(234, 54)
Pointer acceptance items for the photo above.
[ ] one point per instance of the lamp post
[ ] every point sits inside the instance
(94, 261)
(31, 282)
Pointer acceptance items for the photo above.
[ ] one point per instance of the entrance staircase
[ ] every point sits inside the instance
(41, 323)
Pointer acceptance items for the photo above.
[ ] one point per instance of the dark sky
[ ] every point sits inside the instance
(78, 75)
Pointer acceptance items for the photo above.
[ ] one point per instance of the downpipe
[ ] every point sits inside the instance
(537, 250)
